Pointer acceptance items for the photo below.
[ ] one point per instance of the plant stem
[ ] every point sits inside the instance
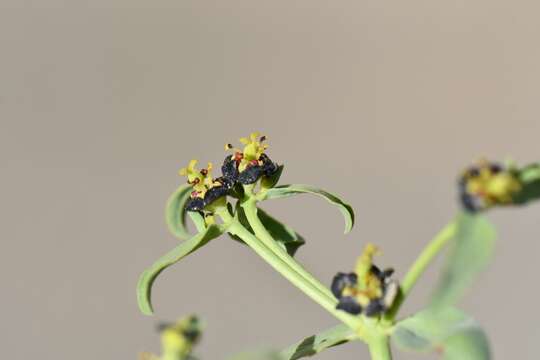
(379, 348)
(284, 269)
(422, 262)
(250, 209)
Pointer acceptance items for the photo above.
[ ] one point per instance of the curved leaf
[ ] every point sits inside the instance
(147, 278)
(284, 235)
(448, 331)
(469, 253)
(175, 212)
(314, 344)
(293, 189)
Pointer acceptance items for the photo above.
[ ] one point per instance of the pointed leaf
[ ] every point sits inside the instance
(293, 189)
(175, 212)
(285, 236)
(316, 343)
(448, 331)
(147, 278)
(469, 253)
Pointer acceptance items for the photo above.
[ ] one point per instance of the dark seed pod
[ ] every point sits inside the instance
(229, 169)
(341, 281)
(195, 204)
(214, 193)
(350, 305)
(250, 175)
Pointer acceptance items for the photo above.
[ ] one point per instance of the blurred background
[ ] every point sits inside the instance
(101, 102)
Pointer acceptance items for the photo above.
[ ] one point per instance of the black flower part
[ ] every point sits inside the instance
(349, 304)
(195, 204)
(229, 169)
(341, 281)
(251, 174)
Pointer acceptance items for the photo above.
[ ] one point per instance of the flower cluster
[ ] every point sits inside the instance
(244, 167)
(368, 290)
(248, 165)
(179, 338)
(486, 185)
(205, 189)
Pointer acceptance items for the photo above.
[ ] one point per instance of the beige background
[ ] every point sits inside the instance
(101, 102)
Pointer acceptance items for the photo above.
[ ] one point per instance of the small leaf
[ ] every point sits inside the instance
(284, 235)
(147, 278)
(530, 180)
(316, 343)
(293, 189)
(447, 330)
(469, 253)
(175, 212)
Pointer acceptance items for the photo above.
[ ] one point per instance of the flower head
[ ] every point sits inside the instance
(246, 166)
(486, 185)
(205, 188)
(178, 338)
(368, 290)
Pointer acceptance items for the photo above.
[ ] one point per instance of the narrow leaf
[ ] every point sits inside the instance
(316, 343)
(147, 278)
(448, 331)
(469, 253)
(293, 189)
(284, 235)
(175, 212)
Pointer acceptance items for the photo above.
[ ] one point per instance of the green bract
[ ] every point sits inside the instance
(468, 254)
(314, 344)
(294, 189)
(447, 331)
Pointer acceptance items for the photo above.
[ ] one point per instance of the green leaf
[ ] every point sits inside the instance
(147, 278)
(530, 180)
(293, 189)
(449, 331)
(284, 235)
(175, 212)
(469, 253)
(314, 344)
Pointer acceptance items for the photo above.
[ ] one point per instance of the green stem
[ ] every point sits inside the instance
(250, 209)
(379, 348)
(422, 262)
(284, 269)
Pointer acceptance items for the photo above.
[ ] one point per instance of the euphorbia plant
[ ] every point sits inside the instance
(368, 299)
